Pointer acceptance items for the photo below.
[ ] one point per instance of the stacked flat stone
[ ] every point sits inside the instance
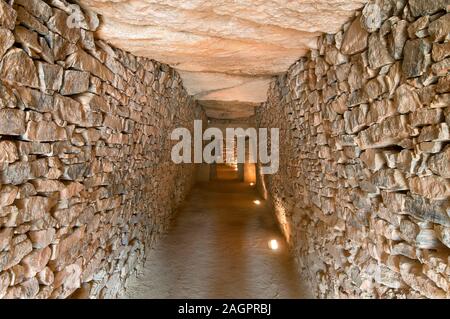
(364, 183)
(86, 179)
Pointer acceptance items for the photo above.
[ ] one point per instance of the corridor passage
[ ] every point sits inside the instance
(217, 247)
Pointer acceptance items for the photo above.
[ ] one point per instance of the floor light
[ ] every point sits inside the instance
(273, 244)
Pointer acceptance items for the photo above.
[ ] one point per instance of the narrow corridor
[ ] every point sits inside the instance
(217, 247)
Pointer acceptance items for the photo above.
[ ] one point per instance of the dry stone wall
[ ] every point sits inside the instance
(363, 189)
(86, 180)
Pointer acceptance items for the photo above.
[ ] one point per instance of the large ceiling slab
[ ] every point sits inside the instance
(226, 50)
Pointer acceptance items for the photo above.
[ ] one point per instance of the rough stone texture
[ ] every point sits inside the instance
(363, 193)
(75, 82)
(6, 41)
(225, 51)
(12, 122)
(355, 38)
(18, 67)
(420, 7)
(86, 180)
(7, 16)
(417, 57)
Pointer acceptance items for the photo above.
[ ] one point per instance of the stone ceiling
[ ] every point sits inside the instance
(225, 50)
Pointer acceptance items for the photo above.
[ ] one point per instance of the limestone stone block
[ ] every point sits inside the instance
(17, 252)
(439, 29)
(373, 159)
(443, 233)
(412, 275)
(441, 100)
(50, 76)
(74, 172)
(8, 194)
(18, 67)
(355, 120)
(379, 110)
(12, 122)
(46, 53)
(35, 100)
(355, 38)
(439, 164)
(34, 148)
(8, 152)
(416, 57)
(4, 283)
(407, 161)
(28, 20)
(432, 187)
(440, 280)
(409, 230)
(389, 132)
(371, 16)
(7, 97)
(389, 278)
(25, 290)
(428, 147)
(44, 132)
(390, 179)
(420, 8)
(428, 210)
(68, 248)
(441, 68)
(94, 102)
(42, 238)
(425, 116)
(82, 61)
(403, 249)
(36, 261)
(75, 82)
(6, 41)
(426, 239)
(38, 8)
(439, 52)
(374, 88)
(417, 26)
(47, 186)
(438, 133)
(66, 216)
(17, 173)
(17, 274)
(58, 24)
(113, 122)
(28, 39)
(378, 54)
(6, 235)
(60, 47)
(398, 40)
(45, 277)
(7, 15)
(33, 208)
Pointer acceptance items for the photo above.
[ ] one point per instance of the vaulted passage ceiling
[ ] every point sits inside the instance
(226, 50)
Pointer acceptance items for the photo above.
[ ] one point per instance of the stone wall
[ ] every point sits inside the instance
(363, 189)
(86, 180)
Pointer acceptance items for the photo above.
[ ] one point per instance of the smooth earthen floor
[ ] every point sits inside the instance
(217, 247)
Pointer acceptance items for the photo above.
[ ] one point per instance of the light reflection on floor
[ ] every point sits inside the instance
(218, 247)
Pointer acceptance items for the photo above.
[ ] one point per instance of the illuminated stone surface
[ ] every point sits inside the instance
(225, 50)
